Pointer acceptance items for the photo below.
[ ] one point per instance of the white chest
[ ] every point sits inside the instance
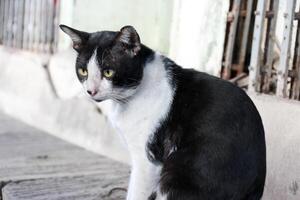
(137, 120)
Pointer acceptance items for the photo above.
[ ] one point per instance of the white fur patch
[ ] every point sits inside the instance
(94, 74)
(94, 81)
(137, 120)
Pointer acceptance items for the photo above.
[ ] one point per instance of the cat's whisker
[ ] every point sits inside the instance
(117, 97)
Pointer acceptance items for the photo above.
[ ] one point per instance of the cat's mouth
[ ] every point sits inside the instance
(98, 100)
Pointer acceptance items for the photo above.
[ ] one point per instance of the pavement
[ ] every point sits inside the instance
(35, 165)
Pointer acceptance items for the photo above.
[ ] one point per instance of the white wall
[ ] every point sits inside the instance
(198, 32)
(152, 19)
(282, 130)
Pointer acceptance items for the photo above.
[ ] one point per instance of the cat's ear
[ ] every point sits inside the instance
(79, 38)
(130, 39)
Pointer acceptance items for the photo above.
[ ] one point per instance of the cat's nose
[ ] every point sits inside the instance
(92, 92)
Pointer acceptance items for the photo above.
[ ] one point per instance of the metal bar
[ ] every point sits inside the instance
(282, 72)
(11, 23)
(44, 16)
(245, 37)
(50, 25)
(271, 37)
(37, 24)
(22, 21)
(296, 91)
(295, 83)
(293, 72)
(255, 62)
(19, 28)
(231, 39)
(26, 24)
(15, 23)
(6, 22)
(31, 24)
(55, 22)
(1, 20)
(40, 17)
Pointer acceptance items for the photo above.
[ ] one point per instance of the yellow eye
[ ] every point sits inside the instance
(82, 72)
(108, 73)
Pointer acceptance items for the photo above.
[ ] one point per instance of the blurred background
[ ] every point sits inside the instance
(252, 43)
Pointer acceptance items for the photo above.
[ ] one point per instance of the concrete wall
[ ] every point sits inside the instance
(281, 119)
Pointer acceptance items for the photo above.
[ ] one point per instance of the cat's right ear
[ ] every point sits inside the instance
(79, 38)
(130, 39)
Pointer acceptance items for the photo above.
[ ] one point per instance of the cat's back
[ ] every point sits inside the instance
(207, 106)
(200, 95)
(204, 86)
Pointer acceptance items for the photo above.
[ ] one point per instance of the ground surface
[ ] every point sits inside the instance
(35, 166)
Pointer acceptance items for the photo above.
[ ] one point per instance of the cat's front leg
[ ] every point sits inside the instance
(143, 181)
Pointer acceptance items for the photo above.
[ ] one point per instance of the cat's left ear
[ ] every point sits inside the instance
(130, 39)
(79, 38)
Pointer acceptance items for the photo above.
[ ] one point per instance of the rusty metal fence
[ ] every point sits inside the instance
(29, 24)
(238, 39)
(253, 54)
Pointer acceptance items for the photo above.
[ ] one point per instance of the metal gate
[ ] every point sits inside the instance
(29, 24)
(270, 67)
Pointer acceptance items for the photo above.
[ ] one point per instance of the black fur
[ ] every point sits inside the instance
(211, 146)
(217, 139)
(152, 196)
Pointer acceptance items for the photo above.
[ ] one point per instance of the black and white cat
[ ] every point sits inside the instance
(190, 135)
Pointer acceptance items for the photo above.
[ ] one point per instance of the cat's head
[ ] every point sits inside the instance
(109, 64)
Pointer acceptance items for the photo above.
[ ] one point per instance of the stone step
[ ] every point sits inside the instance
(102, 186)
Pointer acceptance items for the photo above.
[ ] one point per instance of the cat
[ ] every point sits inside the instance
(190, 135)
